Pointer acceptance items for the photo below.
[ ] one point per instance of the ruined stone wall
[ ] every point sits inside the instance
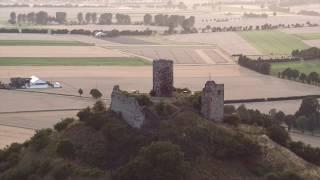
(163, 78)
(128, 106)
(212, 101)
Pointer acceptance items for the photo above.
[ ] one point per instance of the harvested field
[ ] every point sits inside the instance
(230, 42)
(288, 107)
(127, 40)
(304, 30)
(240, 83)
(58, 51)
(308, 36)
(41, 61)
(313, 43)
(273, 42)
(308, 139)
(303, 66)
(57, 37)
(9, 135)
(35, 120)
(182, 55)
(41, 43)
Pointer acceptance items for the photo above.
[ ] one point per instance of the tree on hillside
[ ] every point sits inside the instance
(80, 91)
(94, 18)
(42, 18)
(303, 77)
(31, 17)
(182, 5)
(80, 18)
(308, 106)
(13, 18)
(313, 77)
(105, 19)
(290, 120)
(95, 93)
(65, 149)
(61, 17)
(160, 161)
(147, 19)
(301, 123)
(88, 17)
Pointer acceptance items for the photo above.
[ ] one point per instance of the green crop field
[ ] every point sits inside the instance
(41, 43)
(303, 66)
(38, 61)
(308, 36)
(273, 42)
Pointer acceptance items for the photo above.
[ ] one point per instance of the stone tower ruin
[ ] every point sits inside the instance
(163, 78)
(212, 101)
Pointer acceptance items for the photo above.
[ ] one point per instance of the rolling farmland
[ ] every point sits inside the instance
(41, 43)
(273, 42)
(89, 61)
(303, 66)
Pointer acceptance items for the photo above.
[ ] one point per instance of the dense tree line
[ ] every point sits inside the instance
(253, 15)
(40, 17)
(293, 74)
(261, 66)
(266, 26)
(307, 54)
(112, 33)
(309, 13)
(307, 118)
(171, 21)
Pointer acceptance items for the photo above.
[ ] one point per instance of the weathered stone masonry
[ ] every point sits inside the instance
(212, 101)
(163, 78)
(128, 107)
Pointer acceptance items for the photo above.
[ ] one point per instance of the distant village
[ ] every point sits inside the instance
(32, 82)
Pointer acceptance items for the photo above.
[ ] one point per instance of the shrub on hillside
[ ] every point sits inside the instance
(229, 109)
(65, 149)
(159, 160)
(81, 32)
(63, 124)
(38, 31)
(62, 172)
(41, 139)
(143, 100)
(164, 109)
(287, 175)
(95, 93)
(4, 30)
(59, 31)
(306, 152)
(278, 135)
(233, 119)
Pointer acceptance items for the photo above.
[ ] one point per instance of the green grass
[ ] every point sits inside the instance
(273, 42)
(41, 43)
(308, 36)
(302, 66)
(39, 61)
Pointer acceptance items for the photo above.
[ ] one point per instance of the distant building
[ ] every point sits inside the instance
(33, 83)
(138, 2)
(212, 101)
(163, 78)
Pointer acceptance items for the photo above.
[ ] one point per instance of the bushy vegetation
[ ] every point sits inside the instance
(260, 66)
(307, 54)
(63, 124)
(95, 93)
(65, 149)
(102, 145)
(293, 74)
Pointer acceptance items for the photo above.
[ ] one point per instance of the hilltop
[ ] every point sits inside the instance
(174, 143)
